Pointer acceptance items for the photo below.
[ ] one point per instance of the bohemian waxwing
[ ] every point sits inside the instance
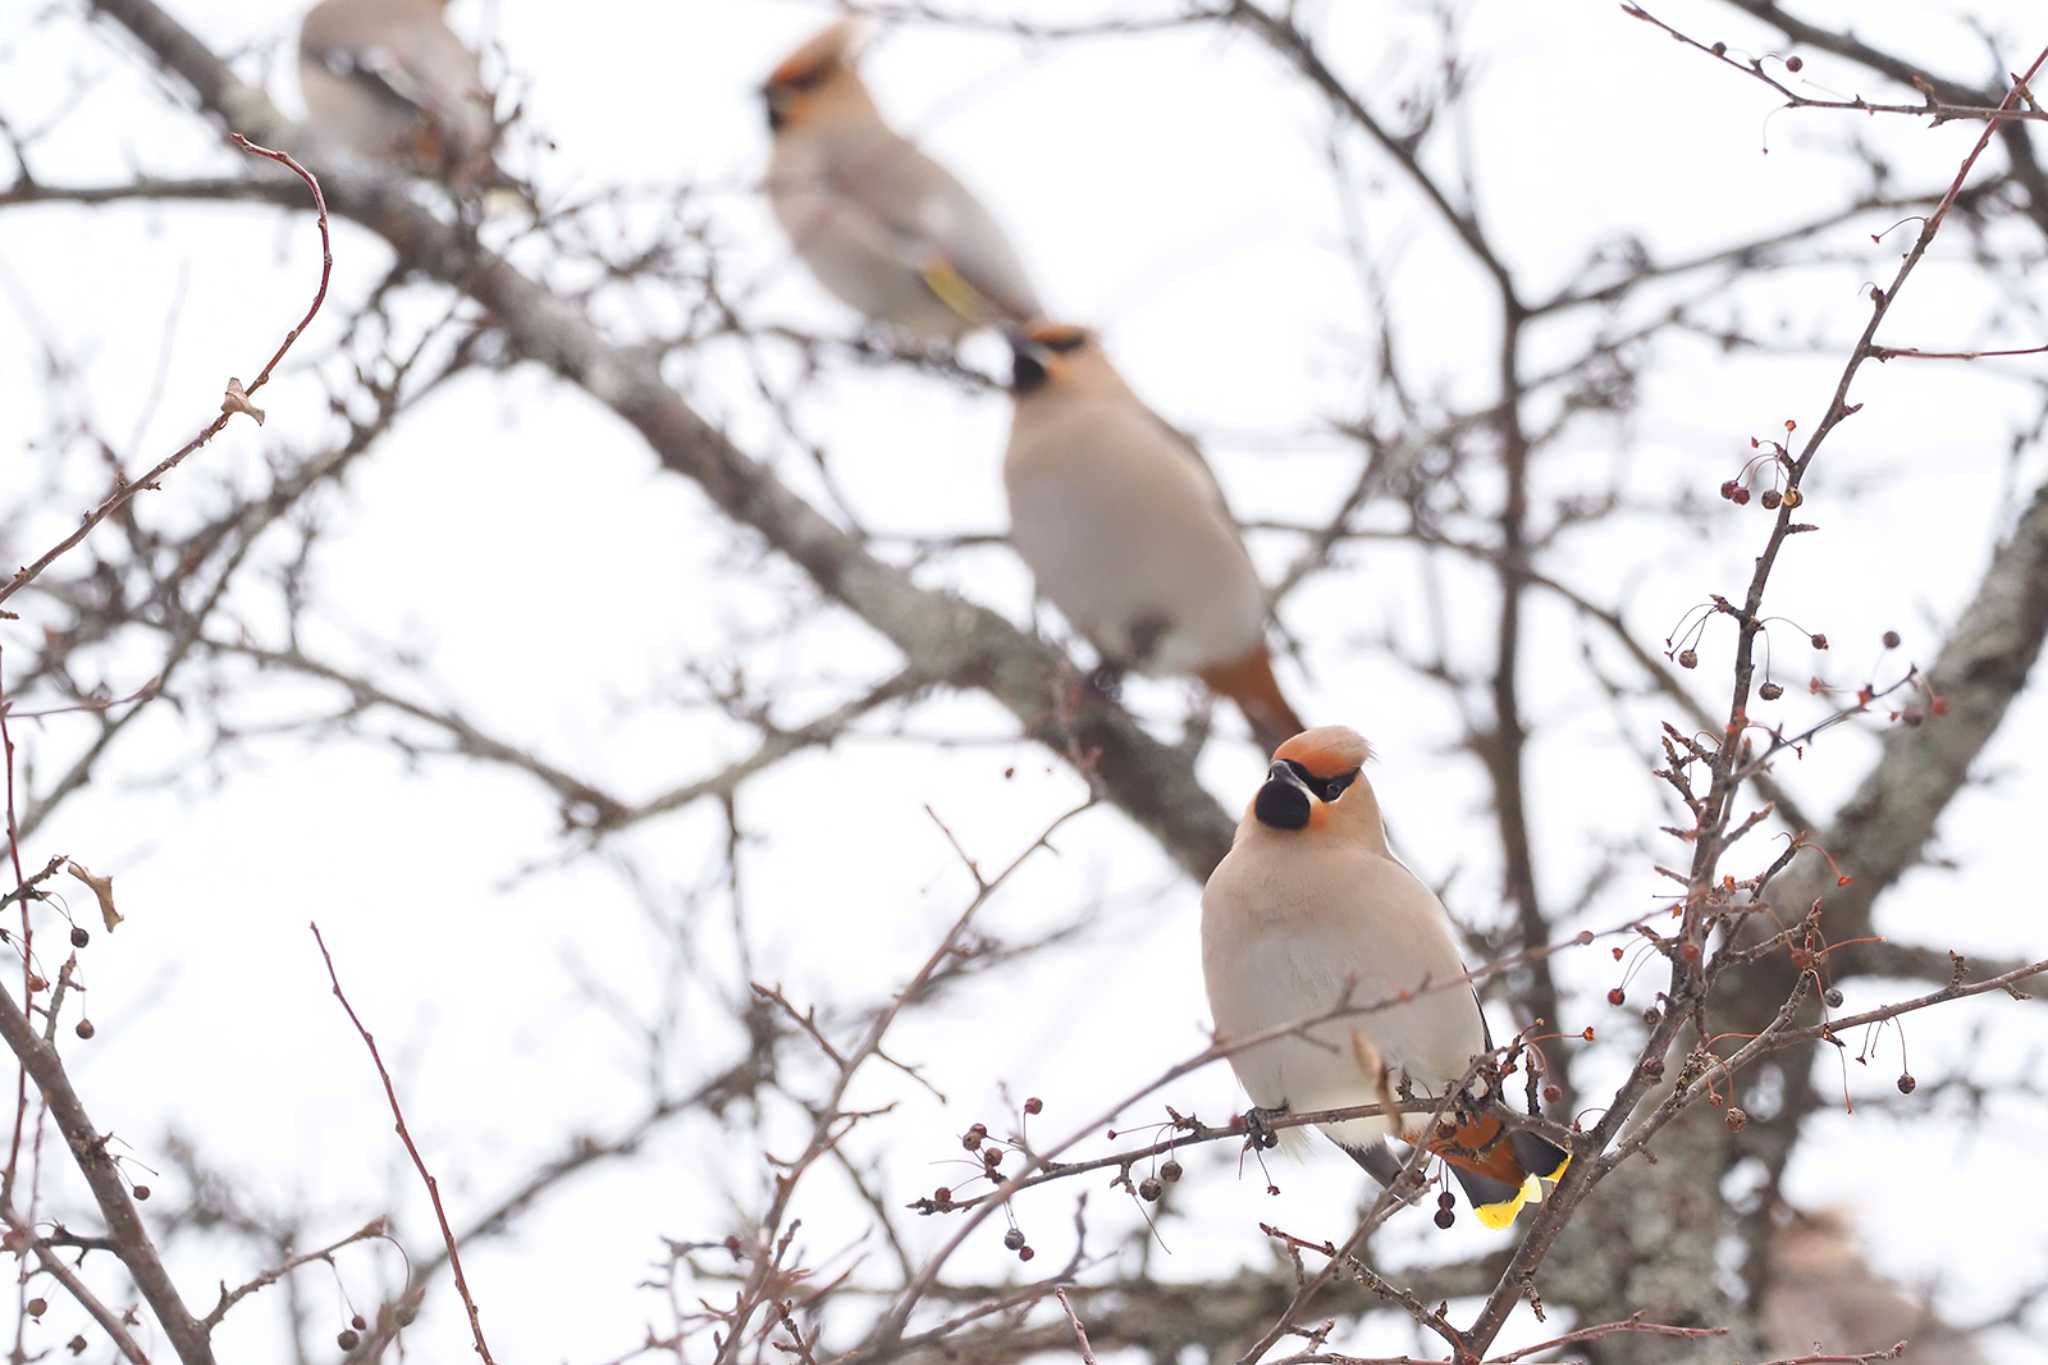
(1309, 909)
(388, 81)
(882, 225)
(1126, 530)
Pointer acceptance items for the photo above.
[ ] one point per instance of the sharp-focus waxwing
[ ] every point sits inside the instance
(1310, 910)
(882, 225)
(389, 81)
(1127, 532)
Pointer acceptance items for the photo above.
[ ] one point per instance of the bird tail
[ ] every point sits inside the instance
(1249, 682)
(1500, 1170)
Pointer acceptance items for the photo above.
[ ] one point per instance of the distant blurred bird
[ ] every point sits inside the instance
(1309, 910)
(388, 81)
(1822, 1291)
(883, 226)
(1126, 530)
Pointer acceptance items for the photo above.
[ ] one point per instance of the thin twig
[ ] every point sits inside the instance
(476, 1326)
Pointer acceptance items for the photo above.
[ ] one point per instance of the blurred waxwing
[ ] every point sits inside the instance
(1126, 530)
(883, 226)
(388, 81)
(1821, 1292)
(1310, 910)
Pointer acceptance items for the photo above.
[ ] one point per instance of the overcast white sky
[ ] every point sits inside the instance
(1172, 189)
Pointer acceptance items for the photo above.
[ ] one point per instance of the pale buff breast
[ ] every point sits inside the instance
(1289, 925)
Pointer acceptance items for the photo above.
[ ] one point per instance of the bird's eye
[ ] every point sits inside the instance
(1065, 342)
(1334, 788)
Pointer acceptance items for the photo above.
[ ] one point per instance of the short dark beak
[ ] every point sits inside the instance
(1283, 803)
(1027, 364)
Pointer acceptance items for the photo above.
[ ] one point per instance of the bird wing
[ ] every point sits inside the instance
(423, 71)
(920, 214)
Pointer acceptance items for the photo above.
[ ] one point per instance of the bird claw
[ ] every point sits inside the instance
(1258, 1127)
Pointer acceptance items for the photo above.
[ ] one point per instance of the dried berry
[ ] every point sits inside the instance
(1793, 497)
(1149, 1189)
(1770, 691)
(1688, 659)
(84, 1029)
(1907, 1083)
(1552, 1094)
(1770, 499)
(732, 1244)
(1795, 63)
(1014, 1239)
(1444, 1218)
(1720, 49)
(1615, 997)
(1034, 1105)
(79, 937)
(1939, 706)
(1891, 639)
(357, 1322)
(971, 1139)
(942, 1196)
(1025, 1254)
(992, 1157)
(1818, 641)
(1446, 1200)
(38, 1307)
(140, 1192)
(1736, 1120)
(1170, 1172)
(347, 1339)
(1728, 487)
(1740, 497)
(1834, 998)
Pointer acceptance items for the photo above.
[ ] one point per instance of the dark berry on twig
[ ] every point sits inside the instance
(84, 1029)
(1770, 691)
(1014, 1239)
(1149, 1189)
(347, 1339)
(1907, 1083)
(1891, 639)
(1170, 1172)
(1034, 1105)
(79, 937)
(1444, 1218)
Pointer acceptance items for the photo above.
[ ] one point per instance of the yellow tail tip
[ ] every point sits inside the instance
(1503, 1214)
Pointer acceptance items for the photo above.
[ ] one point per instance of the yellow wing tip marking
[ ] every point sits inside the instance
(952, 289)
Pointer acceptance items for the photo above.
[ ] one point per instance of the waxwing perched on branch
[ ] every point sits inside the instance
(884, 227)
(1126, 530)
(390, 82)
(1308, 910)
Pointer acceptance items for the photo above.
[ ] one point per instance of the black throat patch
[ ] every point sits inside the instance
(1282, 805)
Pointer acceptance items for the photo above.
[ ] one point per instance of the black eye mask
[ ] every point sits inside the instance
(1325, 788)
